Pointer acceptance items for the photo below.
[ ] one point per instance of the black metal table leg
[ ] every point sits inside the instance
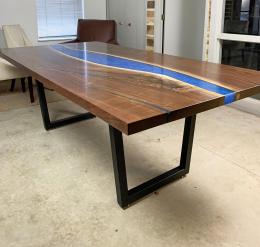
(48, 124)
(119, 166)
(30, 86)
(187, 142)
(124, 196)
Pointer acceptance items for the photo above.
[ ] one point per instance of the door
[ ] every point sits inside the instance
(130, 17)
(135, 23)
(184, 28)
(135, 28)
(116, 11)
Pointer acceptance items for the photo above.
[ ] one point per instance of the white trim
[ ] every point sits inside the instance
(56, 38)
(239, 37)
(158, 26)
(206, 30)
(217, 21)
(216, 25)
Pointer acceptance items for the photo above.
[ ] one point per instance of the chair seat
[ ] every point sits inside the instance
(9, 71)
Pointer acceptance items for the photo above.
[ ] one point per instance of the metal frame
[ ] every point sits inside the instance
(48, 124)
(126, 197)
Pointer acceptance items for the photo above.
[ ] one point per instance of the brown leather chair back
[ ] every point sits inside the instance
(96, 30)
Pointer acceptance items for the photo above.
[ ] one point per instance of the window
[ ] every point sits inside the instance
(241, 37)
(242, 17)
(58, 18)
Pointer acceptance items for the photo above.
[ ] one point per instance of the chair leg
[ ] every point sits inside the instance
(30, 86)
(23, 84)
(12, 85)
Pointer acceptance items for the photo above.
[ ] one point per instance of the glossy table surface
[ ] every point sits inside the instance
(130, 89)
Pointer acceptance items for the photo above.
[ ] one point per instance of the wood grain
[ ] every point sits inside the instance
(132, 101)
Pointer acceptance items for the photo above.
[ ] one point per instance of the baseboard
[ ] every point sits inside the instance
(248, 105)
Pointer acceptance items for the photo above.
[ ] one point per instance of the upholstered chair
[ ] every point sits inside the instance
(96, 30)
(15, 37)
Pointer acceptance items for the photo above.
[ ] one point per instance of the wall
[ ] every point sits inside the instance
(24, 13)
(126, 12)
(184, 28)
(95, 9)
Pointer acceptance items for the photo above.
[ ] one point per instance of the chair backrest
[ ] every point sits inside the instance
(2, 39)
(15, 36)
(96, 30)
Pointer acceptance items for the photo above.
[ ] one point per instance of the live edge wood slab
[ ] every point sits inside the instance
(133, 90)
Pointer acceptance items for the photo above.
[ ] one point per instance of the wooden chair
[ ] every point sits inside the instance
(15, 37)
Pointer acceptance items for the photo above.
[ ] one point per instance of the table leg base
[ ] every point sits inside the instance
(126, 197)
(48, 124)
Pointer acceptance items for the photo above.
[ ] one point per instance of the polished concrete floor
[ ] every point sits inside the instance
(57, 188)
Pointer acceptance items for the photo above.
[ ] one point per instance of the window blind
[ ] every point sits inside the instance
(58, 18)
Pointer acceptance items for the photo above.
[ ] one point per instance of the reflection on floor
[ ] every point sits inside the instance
(57, 188)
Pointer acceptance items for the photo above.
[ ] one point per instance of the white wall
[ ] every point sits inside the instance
(184, 28)
(125, 12)
(95, 9)
(23, 12)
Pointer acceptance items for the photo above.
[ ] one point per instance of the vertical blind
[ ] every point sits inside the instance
(58, 18)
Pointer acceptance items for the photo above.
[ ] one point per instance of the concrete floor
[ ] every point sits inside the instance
(57, 188)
